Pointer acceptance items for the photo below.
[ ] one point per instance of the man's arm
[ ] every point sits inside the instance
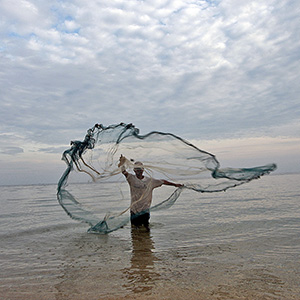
(165, 182)
(122, 165)
(124, 172)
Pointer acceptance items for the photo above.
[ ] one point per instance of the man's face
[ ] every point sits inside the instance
(138, 171)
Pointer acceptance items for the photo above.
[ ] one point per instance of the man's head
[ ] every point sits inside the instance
(138, 168)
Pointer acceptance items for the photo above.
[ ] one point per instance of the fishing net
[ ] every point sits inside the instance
(164, 156)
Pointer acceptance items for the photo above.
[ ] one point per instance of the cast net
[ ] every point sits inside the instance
(164, 156)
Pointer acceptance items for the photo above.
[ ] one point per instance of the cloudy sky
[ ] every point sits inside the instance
(223, 74)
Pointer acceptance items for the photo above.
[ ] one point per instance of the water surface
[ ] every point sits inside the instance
(239, 244)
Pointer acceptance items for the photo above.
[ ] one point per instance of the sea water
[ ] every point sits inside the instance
(239, 244)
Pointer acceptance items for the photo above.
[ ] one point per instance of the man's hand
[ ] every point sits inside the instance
(122, 161)
(179, 185)
(121, 165)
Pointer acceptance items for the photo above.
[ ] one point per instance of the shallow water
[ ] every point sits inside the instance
(239, 244)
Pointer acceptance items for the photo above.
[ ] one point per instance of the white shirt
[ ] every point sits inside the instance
(141, 192)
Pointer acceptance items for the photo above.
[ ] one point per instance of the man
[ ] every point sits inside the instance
(141, 188)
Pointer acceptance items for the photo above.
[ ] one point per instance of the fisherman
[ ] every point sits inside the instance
(141, 188)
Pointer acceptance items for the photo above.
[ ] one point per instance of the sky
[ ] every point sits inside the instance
(222, 74)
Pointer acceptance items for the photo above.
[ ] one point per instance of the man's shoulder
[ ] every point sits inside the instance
(152, 179)
(130, 177)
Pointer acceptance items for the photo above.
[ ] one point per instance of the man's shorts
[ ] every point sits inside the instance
(140, 219)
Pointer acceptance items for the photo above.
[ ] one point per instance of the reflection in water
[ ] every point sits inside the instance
(141, 274)
(91, 267)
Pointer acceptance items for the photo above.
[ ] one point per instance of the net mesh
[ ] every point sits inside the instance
(164, 156)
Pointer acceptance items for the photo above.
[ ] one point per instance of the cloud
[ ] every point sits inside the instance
(11, 150)
(199, 69)
(53, 149)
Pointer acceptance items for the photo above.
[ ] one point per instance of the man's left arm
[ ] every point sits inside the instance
(166, 182)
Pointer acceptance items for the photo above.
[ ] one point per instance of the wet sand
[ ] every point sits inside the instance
(89, 266)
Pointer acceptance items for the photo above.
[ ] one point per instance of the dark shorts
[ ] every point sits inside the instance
(140, 219)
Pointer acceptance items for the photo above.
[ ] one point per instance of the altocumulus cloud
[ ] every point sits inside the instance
(200, 69)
